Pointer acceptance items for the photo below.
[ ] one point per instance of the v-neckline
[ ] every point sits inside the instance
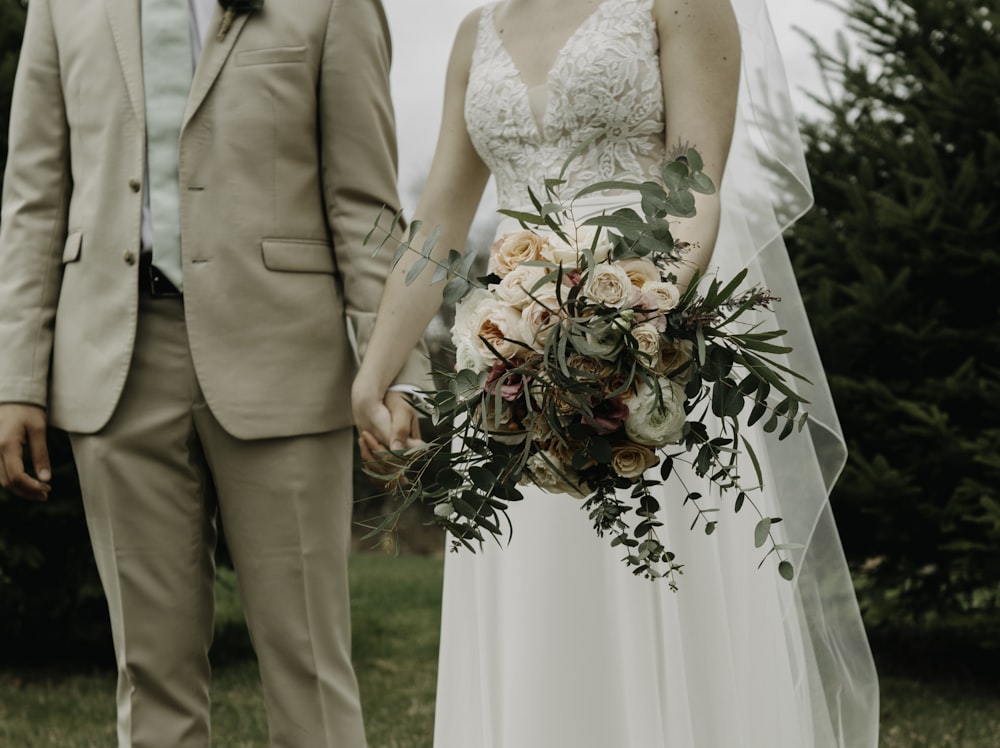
(547, 79)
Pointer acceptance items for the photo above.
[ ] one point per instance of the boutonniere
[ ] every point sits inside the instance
(231, 8)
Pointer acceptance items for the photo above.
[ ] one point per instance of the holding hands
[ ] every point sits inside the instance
(386, 423)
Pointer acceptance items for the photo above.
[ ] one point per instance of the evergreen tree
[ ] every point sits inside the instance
(50, 595)
(899, 264)
(11, 29)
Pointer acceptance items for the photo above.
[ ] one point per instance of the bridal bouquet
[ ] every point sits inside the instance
(582, 368)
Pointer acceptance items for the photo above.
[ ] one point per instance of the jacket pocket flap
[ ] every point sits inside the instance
(71, 249)
(297, 256)
(271, 56)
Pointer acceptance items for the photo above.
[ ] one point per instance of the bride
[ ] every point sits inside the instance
(544, 649)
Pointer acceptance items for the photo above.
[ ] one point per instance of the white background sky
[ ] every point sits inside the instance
(423, 31)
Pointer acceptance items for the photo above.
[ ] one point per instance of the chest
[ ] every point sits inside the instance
(535, 39)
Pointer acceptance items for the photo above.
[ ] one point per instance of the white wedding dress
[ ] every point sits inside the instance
(550, 642)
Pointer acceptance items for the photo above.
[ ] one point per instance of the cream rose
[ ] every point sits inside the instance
(664, 295)
(651, 422)
(518, 286)
(547, 472)
(632, 460)
(674, 355)
(594, 368)
(609, 284)
(647, 340)
(540, 316)
(510, 250)
(484, 321)
(501, 426)
(569, 253)
(463, 332)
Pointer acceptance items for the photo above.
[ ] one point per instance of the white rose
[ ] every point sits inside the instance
(651, 423)
(609, 284)
(467, 356)
(569, 254)
(518, 286)
(666, 295)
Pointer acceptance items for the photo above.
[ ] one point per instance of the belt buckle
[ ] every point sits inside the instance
(160, 286)
(157, 284)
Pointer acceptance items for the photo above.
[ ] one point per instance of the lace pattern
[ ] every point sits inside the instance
(606, 76)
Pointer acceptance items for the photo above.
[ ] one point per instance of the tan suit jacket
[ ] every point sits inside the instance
(286, 155)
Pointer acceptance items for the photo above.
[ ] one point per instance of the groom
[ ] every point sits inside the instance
(182, 279)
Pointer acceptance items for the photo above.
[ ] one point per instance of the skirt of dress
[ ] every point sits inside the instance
(552, 642)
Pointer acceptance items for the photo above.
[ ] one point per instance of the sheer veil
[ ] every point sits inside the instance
(765, 190)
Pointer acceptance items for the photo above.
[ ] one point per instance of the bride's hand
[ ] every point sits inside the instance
(390, 419)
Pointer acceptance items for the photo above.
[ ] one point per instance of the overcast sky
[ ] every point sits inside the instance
(423, 31)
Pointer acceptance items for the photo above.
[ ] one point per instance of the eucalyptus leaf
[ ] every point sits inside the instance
(455, 290)
(761, 532)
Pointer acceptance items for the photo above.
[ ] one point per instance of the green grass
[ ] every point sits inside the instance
(396, 617)
(396, 606)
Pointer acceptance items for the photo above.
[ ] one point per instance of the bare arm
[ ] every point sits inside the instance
(700, 68)
(449, 200)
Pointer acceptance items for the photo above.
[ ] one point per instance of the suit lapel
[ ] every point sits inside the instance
(213, 56)
(123, 17)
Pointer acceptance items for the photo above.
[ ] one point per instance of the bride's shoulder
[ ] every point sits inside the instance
(712, 17)
(464, 46)
(467, 35)
(680, 11)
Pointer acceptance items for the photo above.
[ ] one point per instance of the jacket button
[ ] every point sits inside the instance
(129, 256)
(134, 185)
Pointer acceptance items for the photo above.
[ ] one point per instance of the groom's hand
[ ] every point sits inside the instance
(401, 429)
(24, 426)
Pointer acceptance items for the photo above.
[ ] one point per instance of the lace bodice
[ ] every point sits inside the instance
(606, 76)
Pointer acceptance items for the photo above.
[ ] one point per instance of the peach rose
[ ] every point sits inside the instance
(640, 271)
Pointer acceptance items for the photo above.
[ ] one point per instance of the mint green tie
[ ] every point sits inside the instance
(166, 72)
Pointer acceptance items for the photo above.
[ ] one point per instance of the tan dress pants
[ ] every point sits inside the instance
(286, 511)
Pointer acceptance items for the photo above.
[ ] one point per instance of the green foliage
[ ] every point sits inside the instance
(49, 590)
(898, 264)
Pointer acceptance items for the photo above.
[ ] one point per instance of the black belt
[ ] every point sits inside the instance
(152, 282)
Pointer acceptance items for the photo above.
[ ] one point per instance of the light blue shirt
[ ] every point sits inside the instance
(201, 17)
